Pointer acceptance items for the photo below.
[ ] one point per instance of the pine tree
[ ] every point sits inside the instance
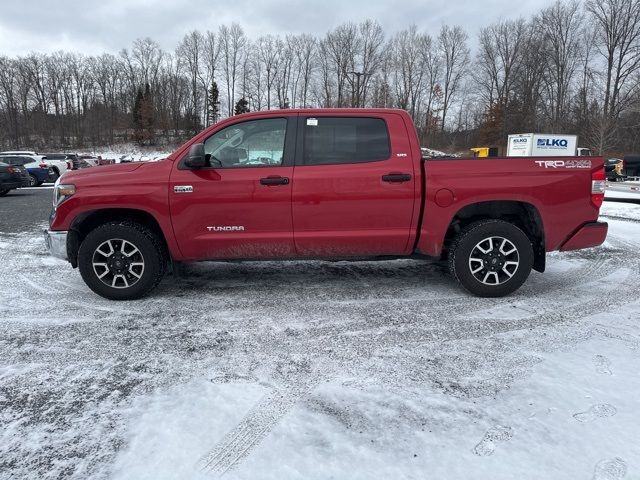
(146, 115)
(242, 106)
(137, 118)
(214, 104)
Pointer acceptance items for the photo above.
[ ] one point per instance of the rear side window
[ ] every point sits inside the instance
(12, 161)
(331, 140)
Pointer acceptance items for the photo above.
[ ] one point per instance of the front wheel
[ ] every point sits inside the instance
(121, 260)
(33, 180)
(491, 258)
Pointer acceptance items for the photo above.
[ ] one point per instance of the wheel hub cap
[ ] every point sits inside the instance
(118, 263)
(494, 260)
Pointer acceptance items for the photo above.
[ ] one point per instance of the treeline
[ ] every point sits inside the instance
(574, 67)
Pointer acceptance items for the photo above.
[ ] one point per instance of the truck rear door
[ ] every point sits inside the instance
(354, 186)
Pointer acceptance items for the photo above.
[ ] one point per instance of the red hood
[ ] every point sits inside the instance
(90, 174)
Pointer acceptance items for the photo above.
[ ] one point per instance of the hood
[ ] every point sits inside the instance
(100, 171)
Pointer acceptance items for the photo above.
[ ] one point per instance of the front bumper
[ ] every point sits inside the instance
(56, 243)
(589, 235)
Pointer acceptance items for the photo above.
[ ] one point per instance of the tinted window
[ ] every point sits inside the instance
(330, 140)
(12, 160)
(257, 143)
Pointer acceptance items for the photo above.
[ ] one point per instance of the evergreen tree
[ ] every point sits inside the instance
(137, 117)
(242, 106)
(146, 115)
(214, 104)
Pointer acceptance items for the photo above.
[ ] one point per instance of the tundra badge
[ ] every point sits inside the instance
(183, 189)
(226, 228)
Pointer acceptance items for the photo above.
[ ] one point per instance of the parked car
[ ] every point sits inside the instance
(325, 183)
(58, 166)
(12, 177)
(37, 171)
(613, 168)
(56, 160)
(91, 160)
(632, 165)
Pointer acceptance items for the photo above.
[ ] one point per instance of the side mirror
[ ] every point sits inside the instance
(196, 157)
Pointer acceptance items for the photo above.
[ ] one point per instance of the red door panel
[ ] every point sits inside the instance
(231, 214)
(240, 206)
(349, 209)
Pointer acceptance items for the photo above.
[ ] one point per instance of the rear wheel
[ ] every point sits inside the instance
(33, 181)
(491, 258)
(121, 260)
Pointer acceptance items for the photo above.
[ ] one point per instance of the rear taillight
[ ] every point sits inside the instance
(43, 165)
(598, 185)
(11, 170)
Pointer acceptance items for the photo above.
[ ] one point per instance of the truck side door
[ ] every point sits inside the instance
(239, 206)
(354, 186)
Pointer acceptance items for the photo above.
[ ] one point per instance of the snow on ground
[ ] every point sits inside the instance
(317, 370)
(620, 211)
(431, 153)
(131, 153)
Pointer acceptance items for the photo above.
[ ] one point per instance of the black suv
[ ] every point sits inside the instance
(12, 176)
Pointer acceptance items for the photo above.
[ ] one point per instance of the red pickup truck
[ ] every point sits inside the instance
(333, 184)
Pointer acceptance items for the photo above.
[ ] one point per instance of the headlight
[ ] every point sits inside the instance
(61, 192)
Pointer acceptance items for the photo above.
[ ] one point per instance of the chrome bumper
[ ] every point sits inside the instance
(56, 243)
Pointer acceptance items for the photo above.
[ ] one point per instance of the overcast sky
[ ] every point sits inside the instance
(93, 27)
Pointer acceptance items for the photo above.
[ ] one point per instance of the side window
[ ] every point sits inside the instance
(330, 140)
(256, 143)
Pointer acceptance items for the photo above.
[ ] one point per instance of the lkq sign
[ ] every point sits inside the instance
(553, 143)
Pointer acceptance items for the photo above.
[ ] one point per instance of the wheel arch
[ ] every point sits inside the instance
(524, 215)
(88, 221)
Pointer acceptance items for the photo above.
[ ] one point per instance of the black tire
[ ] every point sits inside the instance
(56, 174)
(39, 184)
(4, 192)
(492, 280)
(33, 181)
(151, 251)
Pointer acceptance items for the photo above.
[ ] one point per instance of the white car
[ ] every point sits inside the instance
(59, 167)
(37, 170)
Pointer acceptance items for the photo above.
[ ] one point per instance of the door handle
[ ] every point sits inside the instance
(274, 181)
(396, 177)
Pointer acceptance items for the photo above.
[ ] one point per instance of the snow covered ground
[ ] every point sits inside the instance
(131, 153)
(317, 370)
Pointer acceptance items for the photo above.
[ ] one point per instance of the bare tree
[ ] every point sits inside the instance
(232, 43)
(190, 51)
(618, 35)
(212, 56)
(456, 55)
(499, 62)
(561, 25)
(269, 49)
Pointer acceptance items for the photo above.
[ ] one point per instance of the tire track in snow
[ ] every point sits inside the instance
(264, 416)
(257, 423)
(621, 219)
